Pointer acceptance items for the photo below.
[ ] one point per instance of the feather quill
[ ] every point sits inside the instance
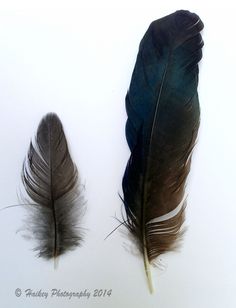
(163, 119)
(51, 181)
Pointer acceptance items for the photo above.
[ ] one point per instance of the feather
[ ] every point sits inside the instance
(163, 119)
(51, 181)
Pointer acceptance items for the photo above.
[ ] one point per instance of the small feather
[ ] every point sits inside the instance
(51, 181)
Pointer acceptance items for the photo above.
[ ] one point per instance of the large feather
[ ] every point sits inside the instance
(50, 179)
(163, 118)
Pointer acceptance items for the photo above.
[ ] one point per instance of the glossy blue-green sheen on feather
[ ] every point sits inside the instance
(171, 43)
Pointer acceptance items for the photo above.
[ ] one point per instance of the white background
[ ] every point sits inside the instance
(77, 61)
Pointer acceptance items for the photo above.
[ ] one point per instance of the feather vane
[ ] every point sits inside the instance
(51, 181)
(163, 119)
